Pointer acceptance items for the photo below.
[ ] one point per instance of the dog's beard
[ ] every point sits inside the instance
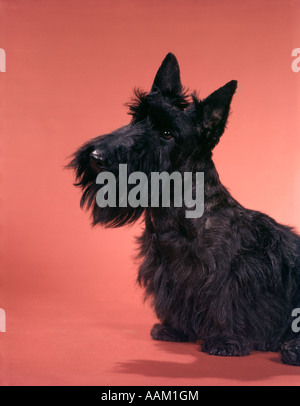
(108, 216)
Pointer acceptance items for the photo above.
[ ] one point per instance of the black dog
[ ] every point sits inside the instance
(231, 277)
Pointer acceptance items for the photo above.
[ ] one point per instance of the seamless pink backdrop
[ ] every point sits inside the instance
(74, 313)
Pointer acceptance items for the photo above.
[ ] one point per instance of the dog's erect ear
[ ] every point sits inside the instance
(167, 78)
(214, 111)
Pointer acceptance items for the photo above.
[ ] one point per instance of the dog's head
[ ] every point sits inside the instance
(170, 130)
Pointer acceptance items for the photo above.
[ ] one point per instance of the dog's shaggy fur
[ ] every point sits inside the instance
(229, 278)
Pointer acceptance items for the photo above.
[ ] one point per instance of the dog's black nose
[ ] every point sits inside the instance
(97, 160)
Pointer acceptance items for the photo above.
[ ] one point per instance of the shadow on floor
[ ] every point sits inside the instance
(257, 366)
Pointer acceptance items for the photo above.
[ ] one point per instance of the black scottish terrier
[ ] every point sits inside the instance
(230, 278)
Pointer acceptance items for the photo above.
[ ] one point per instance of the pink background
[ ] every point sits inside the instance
(74, 313)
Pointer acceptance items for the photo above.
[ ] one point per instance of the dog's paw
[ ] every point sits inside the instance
(165, 333)
(225, 347)
(290, 352)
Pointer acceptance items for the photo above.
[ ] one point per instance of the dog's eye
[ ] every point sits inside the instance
(166, 135)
